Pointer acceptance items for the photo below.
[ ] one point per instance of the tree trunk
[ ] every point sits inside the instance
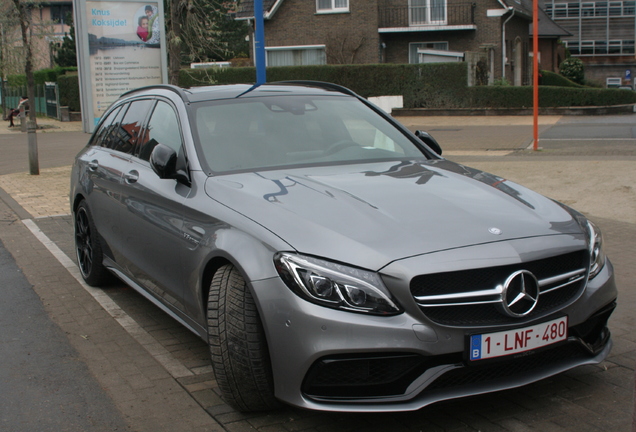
(177, 17)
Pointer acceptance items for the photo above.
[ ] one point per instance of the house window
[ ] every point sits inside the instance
(573, 47)
(414, 46)
(61, 14)
(423, 12)
(573, 10)
(327, 6)
(296, 55)
(560, 10)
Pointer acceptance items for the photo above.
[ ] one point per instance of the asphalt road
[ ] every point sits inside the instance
(46, 387)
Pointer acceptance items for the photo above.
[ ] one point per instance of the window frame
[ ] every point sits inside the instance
(333, 8)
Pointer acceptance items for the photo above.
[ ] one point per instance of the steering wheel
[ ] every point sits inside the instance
(340, 145)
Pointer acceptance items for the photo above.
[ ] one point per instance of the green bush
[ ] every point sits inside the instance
(68, 87)
(572, 69)
(548, 78)
(549, 96)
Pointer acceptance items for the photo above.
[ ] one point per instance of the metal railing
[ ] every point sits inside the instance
(412, 16)
(45, 100)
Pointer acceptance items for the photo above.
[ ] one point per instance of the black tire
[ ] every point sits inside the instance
(88, 248)
(238, 348)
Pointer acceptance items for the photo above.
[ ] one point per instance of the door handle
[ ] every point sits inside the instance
(131, 176)
(93, 165)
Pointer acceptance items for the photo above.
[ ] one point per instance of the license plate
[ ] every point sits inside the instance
(490, 345)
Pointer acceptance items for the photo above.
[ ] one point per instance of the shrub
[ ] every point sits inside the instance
(552, 79)
(68, 87)
(572, 69)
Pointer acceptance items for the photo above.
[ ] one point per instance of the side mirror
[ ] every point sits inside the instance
(429, 141)
(167, 164)
(163, 161)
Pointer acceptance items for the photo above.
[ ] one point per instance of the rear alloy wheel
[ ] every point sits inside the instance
(238, 348)
(88, 249)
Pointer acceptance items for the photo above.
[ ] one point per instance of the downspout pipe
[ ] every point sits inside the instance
(503, 43)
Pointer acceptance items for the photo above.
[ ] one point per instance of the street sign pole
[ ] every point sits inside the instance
(259, 43)
(535, 72)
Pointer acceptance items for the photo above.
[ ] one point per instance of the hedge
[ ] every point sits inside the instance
(429, 84)
(436, 85)
(40, 77)
(521, 97)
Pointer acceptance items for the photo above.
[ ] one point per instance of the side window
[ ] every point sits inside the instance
(104, 129)
(163, 128)
(125, 134)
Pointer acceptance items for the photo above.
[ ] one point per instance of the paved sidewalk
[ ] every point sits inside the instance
(592, 398)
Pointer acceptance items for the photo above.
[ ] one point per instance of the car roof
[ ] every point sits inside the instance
(218, 92)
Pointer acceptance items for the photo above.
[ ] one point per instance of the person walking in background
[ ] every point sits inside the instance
(24, 102)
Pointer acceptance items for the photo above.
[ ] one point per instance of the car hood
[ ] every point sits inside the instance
(374, 213)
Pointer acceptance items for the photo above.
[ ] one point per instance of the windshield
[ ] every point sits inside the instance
(269, 132)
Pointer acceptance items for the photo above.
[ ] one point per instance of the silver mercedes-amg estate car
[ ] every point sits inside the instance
(332, 259)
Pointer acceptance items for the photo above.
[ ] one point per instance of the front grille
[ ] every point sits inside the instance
(368, 376)
(465, 303)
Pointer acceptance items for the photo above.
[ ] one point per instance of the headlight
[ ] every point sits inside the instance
(335, 285)
(597, 257)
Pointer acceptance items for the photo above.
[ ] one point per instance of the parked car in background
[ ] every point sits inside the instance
(333, 259)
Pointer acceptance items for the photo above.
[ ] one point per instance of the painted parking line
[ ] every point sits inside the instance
(156, 350)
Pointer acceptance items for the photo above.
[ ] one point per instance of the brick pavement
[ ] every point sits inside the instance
(591, 398)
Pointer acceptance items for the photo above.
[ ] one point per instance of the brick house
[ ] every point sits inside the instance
(300, 32)
(551, 50)
(48, 26)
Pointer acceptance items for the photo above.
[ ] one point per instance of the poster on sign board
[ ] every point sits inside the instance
(121, 47)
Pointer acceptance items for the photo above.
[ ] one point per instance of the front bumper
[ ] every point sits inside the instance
(331, 360)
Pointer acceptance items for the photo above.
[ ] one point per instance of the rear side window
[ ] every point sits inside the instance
(126, 134)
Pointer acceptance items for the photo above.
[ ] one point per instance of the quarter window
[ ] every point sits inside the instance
(163, 128)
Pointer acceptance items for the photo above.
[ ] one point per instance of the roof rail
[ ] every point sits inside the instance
(320, 84)
(178, 90)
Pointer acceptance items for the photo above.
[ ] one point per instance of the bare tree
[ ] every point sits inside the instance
(342, 47)
(198, 30)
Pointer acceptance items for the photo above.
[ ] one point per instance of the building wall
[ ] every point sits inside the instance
(296, 23)
(45, 32)
(595, 27)
(350, 37)
(488, 35)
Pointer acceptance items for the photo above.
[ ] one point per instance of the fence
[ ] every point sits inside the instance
(46, 99)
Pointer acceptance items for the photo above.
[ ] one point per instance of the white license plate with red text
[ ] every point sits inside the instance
(509, 342)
